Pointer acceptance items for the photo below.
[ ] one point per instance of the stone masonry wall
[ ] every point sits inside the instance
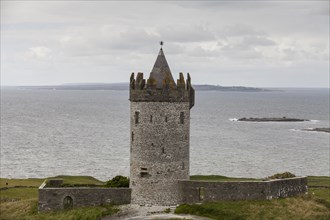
(200, 191)
(54, 198)
(159, 151)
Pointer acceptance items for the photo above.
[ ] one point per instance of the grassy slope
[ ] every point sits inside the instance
(21, 203)
(316, 205)
(219, 178)
(78, 180)
(20, 182)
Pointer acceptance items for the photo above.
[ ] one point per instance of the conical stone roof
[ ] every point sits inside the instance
(161, 71)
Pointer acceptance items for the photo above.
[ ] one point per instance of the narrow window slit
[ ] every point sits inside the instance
(181, 117)
(137, 117)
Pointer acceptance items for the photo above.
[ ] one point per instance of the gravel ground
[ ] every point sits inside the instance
(137, 212)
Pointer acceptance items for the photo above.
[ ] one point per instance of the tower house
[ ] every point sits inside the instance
(159, 121)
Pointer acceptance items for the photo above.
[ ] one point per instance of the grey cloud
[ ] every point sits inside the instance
(257, 41)
(227, 5)
(201, 52)
(100, 41)
(240, 30)
(104, 40)
(323, 9)
(186, 33)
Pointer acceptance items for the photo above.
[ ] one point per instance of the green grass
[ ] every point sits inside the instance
(289, 208)
(18, 194)
(27, 210)
(315, 205)
(20, 182)
(78, 180)
(220, 178)
(323, 181)
(319, 188)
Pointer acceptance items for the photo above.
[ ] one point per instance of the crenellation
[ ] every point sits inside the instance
(141, 91)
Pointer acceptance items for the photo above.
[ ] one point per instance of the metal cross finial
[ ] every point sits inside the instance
(161, 44)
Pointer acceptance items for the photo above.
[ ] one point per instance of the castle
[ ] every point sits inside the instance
(159, 151)
(160, 122)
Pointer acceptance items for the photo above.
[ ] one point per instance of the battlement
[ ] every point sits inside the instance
(140, 90)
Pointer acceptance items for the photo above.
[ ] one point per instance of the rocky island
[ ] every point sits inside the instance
(273, 119)
(318, 129)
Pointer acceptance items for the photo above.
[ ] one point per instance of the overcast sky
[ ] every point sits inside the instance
(248, 43)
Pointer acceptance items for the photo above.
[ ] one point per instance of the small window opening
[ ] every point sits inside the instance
(67, 202)
(181, 117)
(163, 150)
(165, 118)
(152, 144)
(201, 193)
(137, 117)
(150, 118)
(144, 172)
(132, 136)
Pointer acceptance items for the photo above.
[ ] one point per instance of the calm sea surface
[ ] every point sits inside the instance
(51, 132)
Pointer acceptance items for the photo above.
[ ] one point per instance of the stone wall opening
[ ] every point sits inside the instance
(68, 202)
(201, 193)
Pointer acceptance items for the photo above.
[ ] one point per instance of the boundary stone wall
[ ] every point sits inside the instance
(54, 198)
(202, 191)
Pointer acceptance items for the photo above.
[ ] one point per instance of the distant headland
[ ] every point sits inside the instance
(273, 119)
(124, 86)
(318, 129)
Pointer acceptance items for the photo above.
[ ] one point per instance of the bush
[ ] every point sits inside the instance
(118, 181)
(282, 175)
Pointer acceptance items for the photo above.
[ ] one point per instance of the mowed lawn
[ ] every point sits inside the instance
(20, 201)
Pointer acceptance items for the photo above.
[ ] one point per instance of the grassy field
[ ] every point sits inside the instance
(315, 205)
(21, 203)
(219, 178)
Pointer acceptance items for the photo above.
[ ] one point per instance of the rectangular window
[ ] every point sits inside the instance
(132, 136)
(150, 118)
(144, 172)
(165, 118)
(181, 117)
(137, 117)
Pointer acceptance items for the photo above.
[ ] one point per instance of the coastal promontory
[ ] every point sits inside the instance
(273, 119)
(318, 129)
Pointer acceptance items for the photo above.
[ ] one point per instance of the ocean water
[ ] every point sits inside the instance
(51, 132)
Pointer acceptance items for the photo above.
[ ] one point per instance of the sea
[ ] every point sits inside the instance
(46, 133)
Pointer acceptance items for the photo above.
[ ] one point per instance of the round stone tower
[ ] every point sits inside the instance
(160, 121)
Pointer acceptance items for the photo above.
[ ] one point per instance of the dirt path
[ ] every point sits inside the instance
(136, 212)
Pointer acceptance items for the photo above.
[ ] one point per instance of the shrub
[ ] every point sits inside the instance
(282, 175)
(118, 181)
